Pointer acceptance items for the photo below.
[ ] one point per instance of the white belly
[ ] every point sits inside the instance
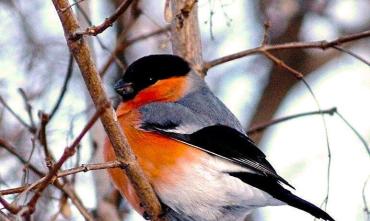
(206, 192)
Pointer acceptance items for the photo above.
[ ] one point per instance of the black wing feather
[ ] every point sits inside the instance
(230, 144)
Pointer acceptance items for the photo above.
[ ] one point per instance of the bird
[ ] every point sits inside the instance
(193, 150)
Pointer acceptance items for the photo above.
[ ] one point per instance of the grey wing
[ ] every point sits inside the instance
(171, 118)
(204, 103)
(198, 109)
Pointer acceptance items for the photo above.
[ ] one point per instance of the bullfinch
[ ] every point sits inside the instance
(193, 150)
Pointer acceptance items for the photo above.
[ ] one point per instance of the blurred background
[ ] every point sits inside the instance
(34, 57)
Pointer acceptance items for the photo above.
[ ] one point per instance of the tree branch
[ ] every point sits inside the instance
(64, 88)
(44, 119)
(185, 34)
(121, 46)
(260, 127)
(95, 30)
(10, 207)
(82, 55)
(68, 152)
(28, 107)
(5, 217)
(358, 57)
(6, 106)
(292, 45)
(300, 77)
(101, 43)
(63, 187)
(83, 168)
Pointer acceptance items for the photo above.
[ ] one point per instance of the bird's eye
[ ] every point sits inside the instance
(151, 79)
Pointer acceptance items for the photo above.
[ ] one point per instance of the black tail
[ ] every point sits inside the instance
(299, 203)
(271, 186)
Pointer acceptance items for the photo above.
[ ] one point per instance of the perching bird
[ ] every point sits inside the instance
(193, 150)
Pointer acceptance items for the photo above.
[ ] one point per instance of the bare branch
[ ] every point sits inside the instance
(266, 35)
(28, 107)
(366, 209)
(7, 146)
(10, 207)
(83, 168)
(44, 119)
(82, 55)
(95, 30)
(299, 76)
(5, 217)
(68, 152)
(14, 190)
(263, 126)
(292, 45)
(363, 141)
(358, 57)
(102, 45)
(30, 128)
(121, 46)
(63, 187)
(93, 166)
(64, 88)
(185, 34)
(281, 63)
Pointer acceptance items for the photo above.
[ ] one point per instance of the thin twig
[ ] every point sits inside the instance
(292, 45)
(26, 166)
(68, 152)
(136, 12)
(363, 141)
(5, 217)
(6, 106)
(7, 146)
(300, 77)
(260, 127)
(339, 48)
(121, 46)
(64, 87)
(83, 168)
(28, 106)
(14, 190)
(65, 188)
(281, 63)
(366, 209)
(211, 14)
(326, 200)
(331, 111)
(93, 166)
(266, 35)
(101, 43)
(10, 207)
(44, 119)
(95, 30)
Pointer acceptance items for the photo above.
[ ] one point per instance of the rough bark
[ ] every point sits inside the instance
(124, 154)
(185, 34)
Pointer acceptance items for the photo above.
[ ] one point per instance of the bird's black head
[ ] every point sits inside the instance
(147, 71)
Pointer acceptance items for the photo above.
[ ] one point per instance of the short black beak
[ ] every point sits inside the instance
(126, 90)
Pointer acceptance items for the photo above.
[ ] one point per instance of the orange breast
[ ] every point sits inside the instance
(159, 156)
